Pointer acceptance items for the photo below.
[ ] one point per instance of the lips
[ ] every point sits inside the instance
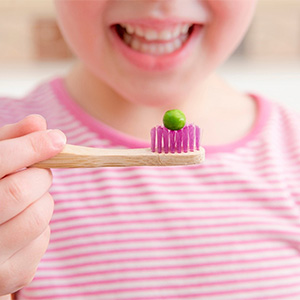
(155, 46)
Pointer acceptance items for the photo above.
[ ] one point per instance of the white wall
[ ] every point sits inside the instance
(279, 81)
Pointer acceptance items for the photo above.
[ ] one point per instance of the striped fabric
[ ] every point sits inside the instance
(224, 230)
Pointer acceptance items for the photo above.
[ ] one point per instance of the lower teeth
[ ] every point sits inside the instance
(154, 48)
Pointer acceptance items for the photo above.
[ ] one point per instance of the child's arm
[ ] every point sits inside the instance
(25, 204)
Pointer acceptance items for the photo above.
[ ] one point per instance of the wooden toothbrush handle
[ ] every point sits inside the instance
(85, 157)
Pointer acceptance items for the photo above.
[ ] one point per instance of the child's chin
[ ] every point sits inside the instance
(153, 100)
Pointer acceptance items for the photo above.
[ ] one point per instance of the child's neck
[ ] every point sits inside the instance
(225, 114)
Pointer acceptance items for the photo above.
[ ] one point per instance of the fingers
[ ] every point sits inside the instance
(24, 151)
(25, 205)
(25, 227)
(19, 190)
(19, 270)
(28, 125)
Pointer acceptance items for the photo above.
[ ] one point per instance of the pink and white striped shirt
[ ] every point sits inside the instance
(224, 230)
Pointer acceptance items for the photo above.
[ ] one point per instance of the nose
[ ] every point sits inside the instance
(164, 6)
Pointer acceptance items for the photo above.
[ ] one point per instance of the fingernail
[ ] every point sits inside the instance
(36, 116)
(57, 137)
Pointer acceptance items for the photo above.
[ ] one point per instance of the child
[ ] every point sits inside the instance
(227, 229)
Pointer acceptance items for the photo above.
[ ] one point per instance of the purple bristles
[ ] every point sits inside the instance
(185, 138)
(172, 141)
(191, 128)
(178, 140)
(159, 139)
(198, 134)
(153, 139)
(165, 140)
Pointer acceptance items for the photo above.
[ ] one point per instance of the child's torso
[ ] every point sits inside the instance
(227, 229)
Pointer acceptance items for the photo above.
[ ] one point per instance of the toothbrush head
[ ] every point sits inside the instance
(164, 140)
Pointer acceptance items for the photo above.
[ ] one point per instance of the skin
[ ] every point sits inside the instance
(26, 205)
(138, 96)
(116, 92)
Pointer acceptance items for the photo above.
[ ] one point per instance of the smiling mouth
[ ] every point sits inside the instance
(152, 41)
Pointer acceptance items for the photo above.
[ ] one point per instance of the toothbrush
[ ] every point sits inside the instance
(168, 148)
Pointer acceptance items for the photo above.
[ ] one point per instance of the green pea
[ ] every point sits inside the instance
(174, 119)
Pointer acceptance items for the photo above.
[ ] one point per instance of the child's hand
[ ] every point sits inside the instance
(25, 205)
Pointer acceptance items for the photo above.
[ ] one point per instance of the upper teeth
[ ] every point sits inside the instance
(151, 34)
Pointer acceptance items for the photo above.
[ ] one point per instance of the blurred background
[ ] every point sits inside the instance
(267, 62)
